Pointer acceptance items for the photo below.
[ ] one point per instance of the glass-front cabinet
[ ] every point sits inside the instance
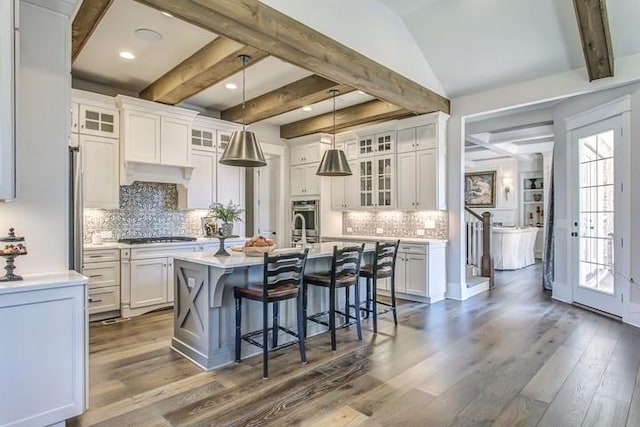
(376, 182)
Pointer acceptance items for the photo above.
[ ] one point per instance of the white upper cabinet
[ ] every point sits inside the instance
(380, 143)
(223, 138)
(202, 187)
(155, 133)
(308, 153)
(75, 117)
(345, 191)
(304, 181)
(418, 138)
(100, 157)
(98, 121)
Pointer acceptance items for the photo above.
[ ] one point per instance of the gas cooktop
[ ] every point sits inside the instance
(164, 239)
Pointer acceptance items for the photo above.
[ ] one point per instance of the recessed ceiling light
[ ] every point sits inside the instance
(127, 55)
(306, 108)
(231, 86)
(361, 92)
(167, 14)
(148, 35)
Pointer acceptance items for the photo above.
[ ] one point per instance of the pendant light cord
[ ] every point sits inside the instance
(244, 111)
(333, 140)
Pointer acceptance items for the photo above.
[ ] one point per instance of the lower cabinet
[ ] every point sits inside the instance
(150, 280)
(411, 274)
(103, 300)
(102, 268)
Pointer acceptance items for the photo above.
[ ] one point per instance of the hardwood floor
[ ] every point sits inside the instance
(508, 357)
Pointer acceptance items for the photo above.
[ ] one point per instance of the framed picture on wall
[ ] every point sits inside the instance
(480, 189)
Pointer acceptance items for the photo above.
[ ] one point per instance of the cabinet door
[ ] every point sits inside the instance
(75, 117)
(148, 282)
(416, 271)
(385, 143)
(100, 157)
(102, 300)
(406, 140)
(406, 177)
(311, 180)
(338, 193)
(401, 272)
(230, 184)
(297, 181)
(426, 188)
(426, 137)
(366, 183)
(142, 137)
(298, 154)
(223, 138)
(99, 121)
(202, 187)
(365, 146)
(175, 142)
(351, 187)
(351, 149)
(203, 139)
(384, 182)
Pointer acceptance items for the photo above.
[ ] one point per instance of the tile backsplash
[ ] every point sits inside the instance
(396, 223)
(146, 210)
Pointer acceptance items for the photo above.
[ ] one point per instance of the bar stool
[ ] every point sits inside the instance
(345, 264)
(384, 265)
(282, 278)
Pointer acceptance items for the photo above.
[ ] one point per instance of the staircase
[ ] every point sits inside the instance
(479, 263)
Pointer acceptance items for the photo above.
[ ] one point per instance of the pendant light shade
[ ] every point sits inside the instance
(243, 149)
(334, 162)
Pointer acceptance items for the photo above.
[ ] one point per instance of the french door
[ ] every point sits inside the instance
(600, 212)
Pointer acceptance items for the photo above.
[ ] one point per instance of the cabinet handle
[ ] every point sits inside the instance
(164, 265)
(96, 275)
(95, 256)
(94, 300)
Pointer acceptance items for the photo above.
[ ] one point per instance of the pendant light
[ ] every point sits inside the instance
(334, 162)
(243, 149)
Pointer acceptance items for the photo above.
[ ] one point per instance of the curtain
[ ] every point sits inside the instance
(547, 266)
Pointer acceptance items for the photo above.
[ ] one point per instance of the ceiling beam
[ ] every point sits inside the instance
(253, 23)
(84, 24)
(596, 39)
(216, 61)
(306, 91)
(371, 111)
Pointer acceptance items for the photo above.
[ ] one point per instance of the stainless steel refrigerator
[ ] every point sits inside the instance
(75, 209)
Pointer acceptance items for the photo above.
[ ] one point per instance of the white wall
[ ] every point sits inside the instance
(548, 88)
(368, 27)
(40, 211)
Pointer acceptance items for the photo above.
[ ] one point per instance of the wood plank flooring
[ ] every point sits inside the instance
(508, 357)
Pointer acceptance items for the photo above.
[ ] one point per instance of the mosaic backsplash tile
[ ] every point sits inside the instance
(397, 223)
(146, 210)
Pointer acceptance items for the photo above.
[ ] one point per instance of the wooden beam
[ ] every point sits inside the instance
(371, 111)
(213, 63)
(84, 24)
(253, 23)
(596, 39)
(306, 91)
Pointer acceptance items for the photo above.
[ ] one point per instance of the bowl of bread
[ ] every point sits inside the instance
(258, 246)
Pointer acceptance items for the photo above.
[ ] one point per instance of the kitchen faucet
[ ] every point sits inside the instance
(303, 239)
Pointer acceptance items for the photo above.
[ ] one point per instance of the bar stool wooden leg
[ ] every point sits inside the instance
(304, 309)
(301, 321)
(346, 304)
(393, 299)
(357, 312)
(332, 316)
(276, 309)
(238, 328)
(265, 341)
(368, 301)
(374, 303)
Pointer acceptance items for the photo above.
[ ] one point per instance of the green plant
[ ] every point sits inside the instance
(227, 214)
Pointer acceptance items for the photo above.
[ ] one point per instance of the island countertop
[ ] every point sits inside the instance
(239, 259)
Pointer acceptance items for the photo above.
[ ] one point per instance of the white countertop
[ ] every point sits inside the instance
(32, 282)
(239, 259)
(198, 241)
(415, 240)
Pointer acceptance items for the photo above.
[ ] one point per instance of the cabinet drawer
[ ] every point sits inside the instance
(101, 255)
(161, 251)
(102, 274)
(104, 299)
(412, 248)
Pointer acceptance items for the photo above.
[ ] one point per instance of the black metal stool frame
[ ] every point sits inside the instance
(345, 265)
(384, 265)
(284, 270)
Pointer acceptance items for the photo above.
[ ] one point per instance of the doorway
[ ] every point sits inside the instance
(599, 153)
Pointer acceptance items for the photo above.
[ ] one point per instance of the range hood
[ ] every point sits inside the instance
(149, 172)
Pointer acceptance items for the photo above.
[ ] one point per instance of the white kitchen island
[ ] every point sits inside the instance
(204, 311)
